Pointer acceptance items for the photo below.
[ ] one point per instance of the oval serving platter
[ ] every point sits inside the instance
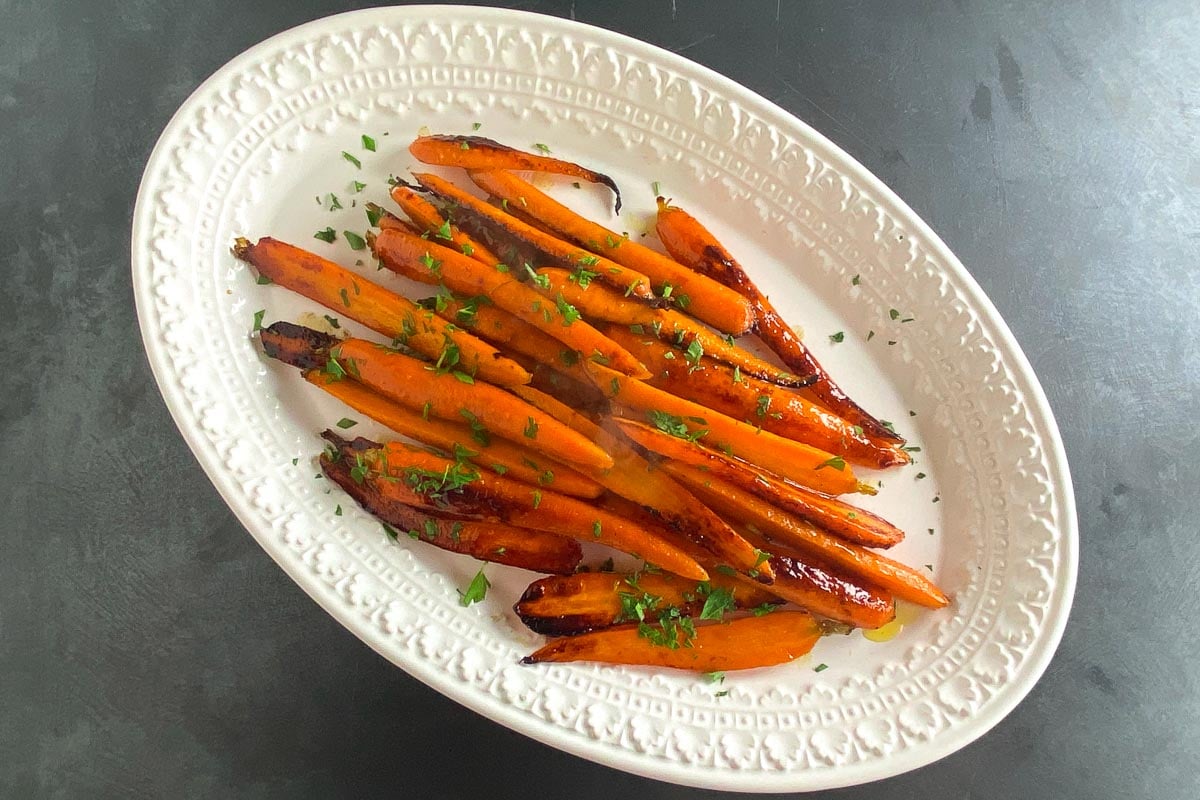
(257, 150)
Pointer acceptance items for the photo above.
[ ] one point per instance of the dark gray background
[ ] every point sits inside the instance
(148, 648)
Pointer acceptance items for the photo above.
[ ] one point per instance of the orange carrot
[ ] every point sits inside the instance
(468, 206)
(692, 244)
(571, 604)
(834, 515)
(417, 385)
(892, 576)
(475, 152)
(716, 647)
(441, 483)
(424, 260)
(431, 221)
(719, 306)
(796, 461)
(488, 541)
(498, 455)
(718, 386)
(393, 315)
(602, 303)
(828, 592)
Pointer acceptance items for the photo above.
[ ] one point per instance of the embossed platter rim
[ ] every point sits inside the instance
(597, 92)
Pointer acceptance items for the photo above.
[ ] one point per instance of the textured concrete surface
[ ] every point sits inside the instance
(148, 648)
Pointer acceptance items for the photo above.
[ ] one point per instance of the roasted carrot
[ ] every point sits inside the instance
(733, 503)
(468, 207)
(718, 386)
(707, 300)
(836, 516)
(814, 585)
(540, 551)
(721, 646)
(796, 461)
(602, 303)
(417, 385)
(692, 244)
(632, 477)
(828, 592)
(431, 221)
(572, 604)
(438, 482)
(386, 219)
(391, 314)
(476, 152)
(496, 454)
(426, 261)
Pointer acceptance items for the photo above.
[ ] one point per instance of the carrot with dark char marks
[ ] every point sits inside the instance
(380, 309)
(717, 385)
(836, 516)
(692, 244)
(567, 605)
(441, 483)
(469, 207)
(498, 455)
(744, 643)
(476, 152)
(431, 221)
(697, 294)
(421, 387)
(392, 503)
(603, 303)
(733, 503)
(423, 260)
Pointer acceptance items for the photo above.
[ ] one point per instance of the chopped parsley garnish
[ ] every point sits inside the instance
(540, 280)
(374, 214)
(368, 143)
(431, 263)
(478, 432)
(263, 280)
(334, 203)
(855, 281)
(541, 147)
(537, 498)
(820, 667)
(694, 352)
(531, 428)
(358, 186)
(596, 529)
(762, 405)
(435, 484)
(345, 297)
(477, 589)
(838, 337)
(893, 313)
(673, 425)
(352, 159)
(443, 231)
(569, 312)
(355, 241)
(583, 277)
(337, 512)
(654, 187)
(467, 249)
(589, 260)
(837, 462)
(391, 532)
(464, 145)
(717, 601)
(346, 422)
(763, 610)
(258, 318)
(715, 677)
(327, 235)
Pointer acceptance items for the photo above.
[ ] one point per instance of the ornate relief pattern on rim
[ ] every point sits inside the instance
(294, 88)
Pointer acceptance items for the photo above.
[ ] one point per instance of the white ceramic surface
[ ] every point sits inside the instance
(256, 146)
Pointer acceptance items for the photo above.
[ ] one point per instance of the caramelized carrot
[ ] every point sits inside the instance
(393, 315)
(426, 261)
(437, 482)
(602, 303)
(799, 462)
(718, 386)
(834, 515)
(571, 604)
(431, 221)
(468, 206)
(723, 646)
(476, 152)
(692, 244)
(420, 386)
(488, 541)
(719, 306)
(733, 503)
(828, 592)
(498, 455)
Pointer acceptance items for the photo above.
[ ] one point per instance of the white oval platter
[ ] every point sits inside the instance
(257, 149)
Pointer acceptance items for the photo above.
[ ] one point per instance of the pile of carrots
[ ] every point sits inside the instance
(566, 385)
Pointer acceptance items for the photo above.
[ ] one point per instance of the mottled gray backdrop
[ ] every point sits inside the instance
(148, 648)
